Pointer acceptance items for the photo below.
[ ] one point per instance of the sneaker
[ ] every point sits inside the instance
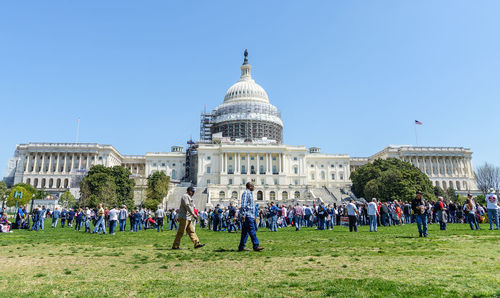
(259, 248)
(199, 245)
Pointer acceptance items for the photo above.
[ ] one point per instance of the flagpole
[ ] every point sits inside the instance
(416, 136)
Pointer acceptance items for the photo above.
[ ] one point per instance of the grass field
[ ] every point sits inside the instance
(392, 262)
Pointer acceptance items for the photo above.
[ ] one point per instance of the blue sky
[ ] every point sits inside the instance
(348, 76)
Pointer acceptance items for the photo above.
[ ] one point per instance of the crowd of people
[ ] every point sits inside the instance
(271, 216)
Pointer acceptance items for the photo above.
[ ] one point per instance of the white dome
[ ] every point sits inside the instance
(246, 89)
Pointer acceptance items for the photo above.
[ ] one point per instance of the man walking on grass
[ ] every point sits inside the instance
(418, 206)
(187, 217)
(247, 211)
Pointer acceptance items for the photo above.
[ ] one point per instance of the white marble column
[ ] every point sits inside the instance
(80, 162)
(50, 162)
(43, 163)
(258, 164)
(35, 162)
(248, 163)
(27, 163)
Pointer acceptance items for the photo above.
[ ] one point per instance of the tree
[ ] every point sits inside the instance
(439, 192)
(3, 190)
(26, 196)
(390, 179)
(487, 176)
(67, 199)
(110, 186)
(157, 189)
(451, 194)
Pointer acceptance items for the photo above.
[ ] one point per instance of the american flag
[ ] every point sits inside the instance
(418, 122)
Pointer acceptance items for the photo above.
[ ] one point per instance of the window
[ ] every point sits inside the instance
(284, 195)
(208, 170)
(262, 181)
(242, 158)
(252, 158)
(297, 195)
(230, 169)
(332, 166)
(322, 166)
(274, 158)
(333, 176)
(312, 176)
(323, 176)
(174, 174)
(312, 166)
(163, 164)
(222, 195)
(341, 177)
(234, 195)
(261, 158)
(208, 158)
(243, 181)
(340, 166)
(243, 169)
(230, 158)
(230, 181)
(154, 164)
(173, 165)
(295, 170)
(262, 169)
(272, 195)
(295, 158)
(296, 182)
(275, 181)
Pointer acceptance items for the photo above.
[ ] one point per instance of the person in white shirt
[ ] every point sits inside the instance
(372, 214)
(492, 206)
(159, 215)
(352, 214)
(113, 218)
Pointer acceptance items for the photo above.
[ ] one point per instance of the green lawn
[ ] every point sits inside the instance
(392, 262)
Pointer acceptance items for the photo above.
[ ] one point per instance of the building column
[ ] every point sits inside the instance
(248, 163)
(35, 163)
(80, 162)
(43, 163)
(87, 161)
(64, 164)
(258, 164)
(237, 163)
(27, 163)
(50, 163)
(58, 157)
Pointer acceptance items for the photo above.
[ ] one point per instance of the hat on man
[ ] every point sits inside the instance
(418, 192)
(491, 190)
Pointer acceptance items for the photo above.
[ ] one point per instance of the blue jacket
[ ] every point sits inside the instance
(56, 214)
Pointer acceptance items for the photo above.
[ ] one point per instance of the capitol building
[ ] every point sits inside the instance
(241, 140)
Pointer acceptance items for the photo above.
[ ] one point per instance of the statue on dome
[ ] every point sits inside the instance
(246, 57)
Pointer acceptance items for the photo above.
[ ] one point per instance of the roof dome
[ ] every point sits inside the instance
(246, 89)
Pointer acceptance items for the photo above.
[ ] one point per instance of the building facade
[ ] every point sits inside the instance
(241, 141)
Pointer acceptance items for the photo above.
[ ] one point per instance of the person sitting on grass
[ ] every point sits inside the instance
(5, 224)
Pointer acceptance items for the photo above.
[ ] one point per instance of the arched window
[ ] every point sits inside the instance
(58, 183)
(43, 182)
(284, 195)
(66, 183)
(295, 170)
(297, 195)
(234, 195)
(450, 183)
(457, 183)
(272, 196)
(174, 174)
(222, 195)
(260, 197)
(465, 185)
(444, 185)
(252, 169)
(35, 183)
(51, 182)
(437, 183)
(230, 169)
(28, 181)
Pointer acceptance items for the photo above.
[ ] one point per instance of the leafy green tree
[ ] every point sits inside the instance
(439, 192)
(67, 199)
(27, 195)
(110, 186)
(3, 190)
(451, 194)
(390, 179)
(157, 189)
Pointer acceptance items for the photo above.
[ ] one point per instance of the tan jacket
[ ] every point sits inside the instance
(186, 210)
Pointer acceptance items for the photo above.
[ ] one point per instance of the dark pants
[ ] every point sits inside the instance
(112, 225)
(63, 222)
(471, 218)
(248, 229)
(352, 223)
